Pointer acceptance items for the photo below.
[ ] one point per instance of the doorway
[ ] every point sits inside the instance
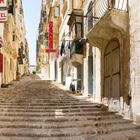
(112, 74)
(90, 75)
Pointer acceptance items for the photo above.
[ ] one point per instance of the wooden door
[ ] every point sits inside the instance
(112, 74)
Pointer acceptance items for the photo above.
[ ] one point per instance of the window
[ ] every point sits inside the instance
(51, 1)
(11, 7)
(60, 1)
(79, 30)
(14, 36)
(56, 11)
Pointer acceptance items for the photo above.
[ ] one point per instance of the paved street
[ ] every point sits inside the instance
(33, 109)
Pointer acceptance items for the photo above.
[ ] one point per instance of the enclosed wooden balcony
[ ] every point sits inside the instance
(76, 52)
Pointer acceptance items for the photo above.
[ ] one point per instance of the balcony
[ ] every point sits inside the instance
(76, 52)
(111, 18)
(102, 6)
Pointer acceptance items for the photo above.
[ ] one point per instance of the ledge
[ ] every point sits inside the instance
(112, 22)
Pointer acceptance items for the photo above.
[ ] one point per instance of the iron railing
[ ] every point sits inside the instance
(101, 6)
(98, 8)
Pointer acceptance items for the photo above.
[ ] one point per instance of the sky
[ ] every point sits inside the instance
(32, 9)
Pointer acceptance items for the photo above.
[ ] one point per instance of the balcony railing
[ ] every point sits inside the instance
(101, 6)
(98, 8)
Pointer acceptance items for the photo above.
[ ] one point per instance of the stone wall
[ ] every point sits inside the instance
(134, 17)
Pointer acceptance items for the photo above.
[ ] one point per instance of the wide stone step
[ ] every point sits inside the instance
(55, 114)
(47, 107)
(27, 132)
(68, 124)
(49, 138)
(46, 100)
(62, 132)
(50, 110)
(57, 119)
(38, 98)
(44, 104)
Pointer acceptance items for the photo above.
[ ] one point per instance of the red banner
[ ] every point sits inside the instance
(1, 62)
(50, 35)
(50, 41)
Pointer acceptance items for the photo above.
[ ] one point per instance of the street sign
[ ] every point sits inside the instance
(3, 15)
(3, 3)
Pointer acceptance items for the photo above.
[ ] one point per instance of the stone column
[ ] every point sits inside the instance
(86, 70)
(134, 16)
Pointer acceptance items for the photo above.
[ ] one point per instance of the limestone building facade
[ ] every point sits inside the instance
(98, 43)
(13, 37)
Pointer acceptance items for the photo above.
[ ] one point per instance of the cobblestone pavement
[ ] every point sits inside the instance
(35, 109)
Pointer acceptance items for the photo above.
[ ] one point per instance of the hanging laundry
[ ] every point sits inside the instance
(57, 54)
(69, 45)
(62, 51)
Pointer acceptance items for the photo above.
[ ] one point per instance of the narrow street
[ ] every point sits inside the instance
(33, 109)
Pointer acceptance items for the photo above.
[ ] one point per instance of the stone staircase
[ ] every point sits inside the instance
(49, 115)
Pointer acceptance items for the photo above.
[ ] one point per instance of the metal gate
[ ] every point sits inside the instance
(112, 74)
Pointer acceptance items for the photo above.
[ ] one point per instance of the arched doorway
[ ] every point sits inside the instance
(112, 74)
